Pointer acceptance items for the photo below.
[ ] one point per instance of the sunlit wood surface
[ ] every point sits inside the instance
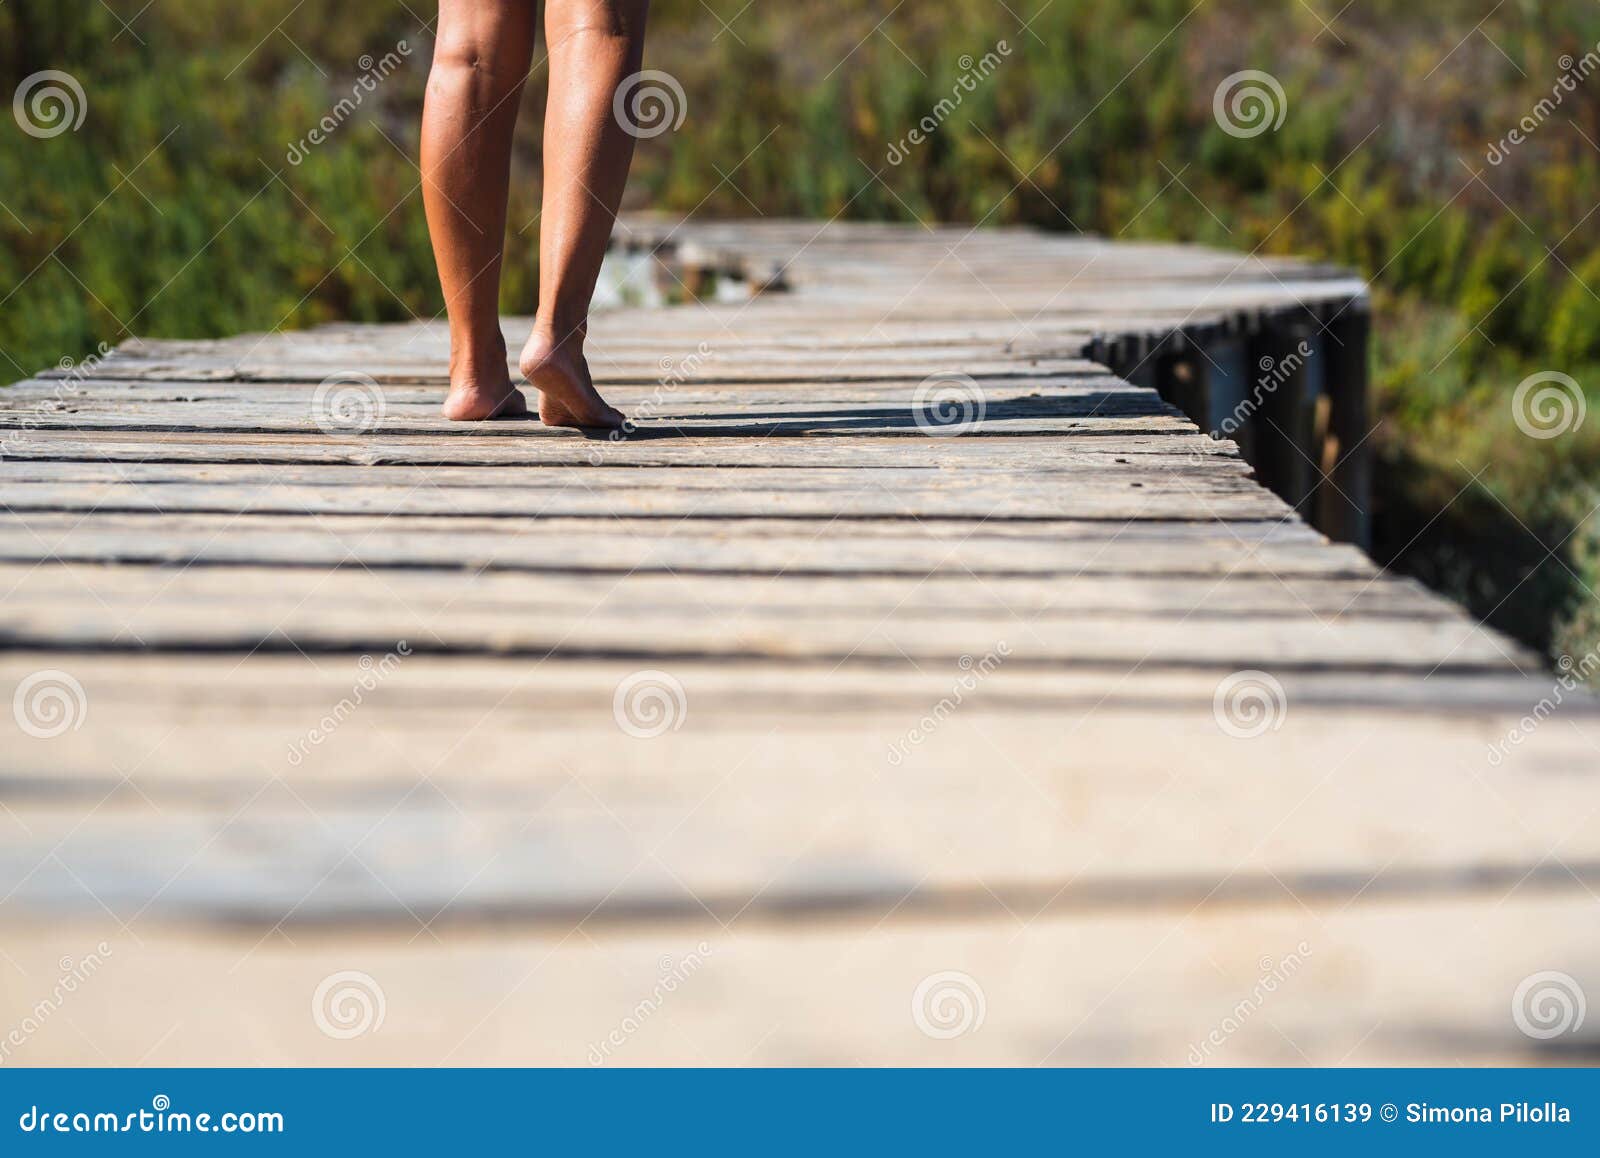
(947, 771)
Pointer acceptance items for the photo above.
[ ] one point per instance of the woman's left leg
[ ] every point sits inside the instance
(594, 46)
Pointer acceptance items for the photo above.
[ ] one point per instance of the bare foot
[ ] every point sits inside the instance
(567, 396)
(480, 387)
(472, 401)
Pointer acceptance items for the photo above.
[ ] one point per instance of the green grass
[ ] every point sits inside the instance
(172, 210)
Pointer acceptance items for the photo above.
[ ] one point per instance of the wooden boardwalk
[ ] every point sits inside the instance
(793, 728)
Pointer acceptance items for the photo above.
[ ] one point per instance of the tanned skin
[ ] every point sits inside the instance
(481, 61)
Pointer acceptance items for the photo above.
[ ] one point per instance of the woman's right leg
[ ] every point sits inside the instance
(480, 62)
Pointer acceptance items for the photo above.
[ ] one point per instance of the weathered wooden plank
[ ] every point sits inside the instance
(754, 546)
(1352, 985)
(605, 624)
(540, 826)
(1263, 620)
(795, 394)
(488, 447)
(422, 593)
(1074, 470)
(1024, 405)
(694, 362)
(1156, 499)
(192, 685)
(896, 422)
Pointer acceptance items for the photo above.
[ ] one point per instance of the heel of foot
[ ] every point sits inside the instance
(470, 404)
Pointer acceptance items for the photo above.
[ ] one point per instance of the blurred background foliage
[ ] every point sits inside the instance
(174, 211)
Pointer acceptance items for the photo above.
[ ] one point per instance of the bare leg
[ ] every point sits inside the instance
(594, 45)
(480, 63)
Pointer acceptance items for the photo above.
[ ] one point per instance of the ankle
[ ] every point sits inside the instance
(560, 332)
(478, 358)
(478, 368)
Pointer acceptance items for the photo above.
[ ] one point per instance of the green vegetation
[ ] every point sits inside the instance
(173, 210)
